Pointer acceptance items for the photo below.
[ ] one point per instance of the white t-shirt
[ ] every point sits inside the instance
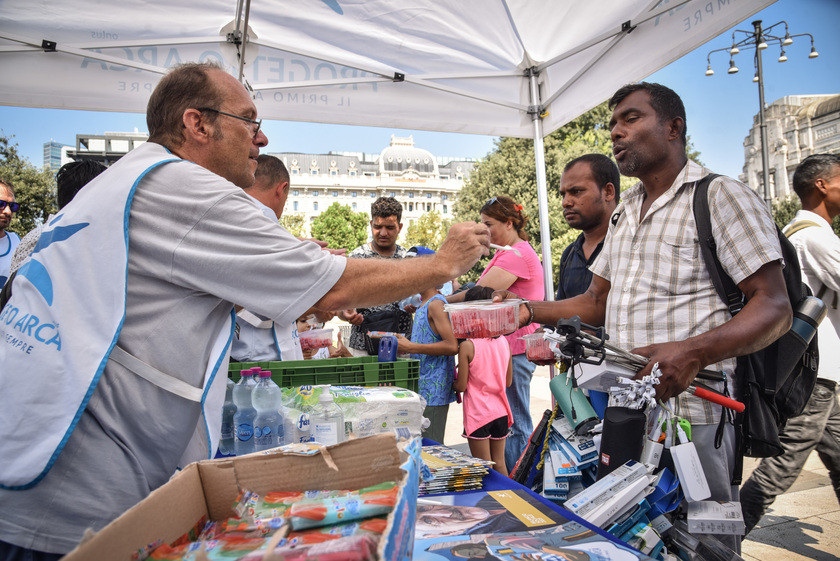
(197, 243)
(818, 250)
(8, 243)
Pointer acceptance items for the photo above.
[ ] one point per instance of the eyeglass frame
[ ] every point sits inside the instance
(246, 119)
(11, 204)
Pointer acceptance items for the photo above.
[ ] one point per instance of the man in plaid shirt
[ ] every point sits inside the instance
(651, 289)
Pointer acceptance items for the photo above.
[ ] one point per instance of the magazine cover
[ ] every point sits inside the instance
(505, 525)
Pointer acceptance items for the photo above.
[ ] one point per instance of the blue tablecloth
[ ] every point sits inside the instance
(494, 481)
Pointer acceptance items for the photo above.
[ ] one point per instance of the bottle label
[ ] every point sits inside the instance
(303, 422)
(244, 432)
(326, 433)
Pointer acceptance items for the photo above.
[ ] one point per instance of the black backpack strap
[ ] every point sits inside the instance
(725, 286)
(728, 291)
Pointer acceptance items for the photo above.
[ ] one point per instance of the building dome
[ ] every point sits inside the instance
(821, 106)
(403, 158)
(831, 105)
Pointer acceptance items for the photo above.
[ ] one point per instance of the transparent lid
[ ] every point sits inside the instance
(481, 305)
(325, 396)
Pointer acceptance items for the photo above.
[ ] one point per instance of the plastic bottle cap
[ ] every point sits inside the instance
(325, 396)
(256, 370)
(248, 372)
(265, 373)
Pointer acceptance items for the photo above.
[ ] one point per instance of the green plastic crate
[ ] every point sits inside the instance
(364, 371)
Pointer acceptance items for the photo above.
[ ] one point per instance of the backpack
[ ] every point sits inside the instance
(776, 382)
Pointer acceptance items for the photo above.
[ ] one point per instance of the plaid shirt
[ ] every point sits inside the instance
(660, 288)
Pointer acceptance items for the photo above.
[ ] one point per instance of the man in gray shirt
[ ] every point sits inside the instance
(192, 245)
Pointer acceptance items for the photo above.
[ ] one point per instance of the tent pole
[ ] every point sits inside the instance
(245, 38)
(536, 110)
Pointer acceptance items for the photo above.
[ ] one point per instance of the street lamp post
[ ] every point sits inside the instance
(759, 39)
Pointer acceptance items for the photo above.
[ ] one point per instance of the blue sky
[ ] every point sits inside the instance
(719, 108)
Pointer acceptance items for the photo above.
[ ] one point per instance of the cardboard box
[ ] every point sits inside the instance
(209, 488)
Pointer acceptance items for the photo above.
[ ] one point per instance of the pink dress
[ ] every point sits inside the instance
(485, 399)
(528, 285)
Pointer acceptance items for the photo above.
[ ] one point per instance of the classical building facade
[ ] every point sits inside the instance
(797, 126)
(419, 180)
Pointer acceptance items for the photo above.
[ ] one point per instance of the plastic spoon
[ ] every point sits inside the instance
(506, 248)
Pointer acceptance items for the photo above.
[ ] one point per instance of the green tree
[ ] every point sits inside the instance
(428, 231)
(785, 209)
(510, 170)
(340, 227)
(34, 188)
(295, 223)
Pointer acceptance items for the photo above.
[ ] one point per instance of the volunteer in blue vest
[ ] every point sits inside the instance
(258, 338)
(123, 317)
(650, 287)
(8, 240)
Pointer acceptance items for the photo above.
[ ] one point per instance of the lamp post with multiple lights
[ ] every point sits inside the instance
(759, 39)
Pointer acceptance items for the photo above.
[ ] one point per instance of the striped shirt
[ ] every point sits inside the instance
(660, 289)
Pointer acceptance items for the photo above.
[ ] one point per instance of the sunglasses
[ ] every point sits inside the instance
(490, 201)
(10, 204)
(246, 119)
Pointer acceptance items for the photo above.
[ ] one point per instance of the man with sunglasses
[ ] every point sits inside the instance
(125, 312)
(8, 240)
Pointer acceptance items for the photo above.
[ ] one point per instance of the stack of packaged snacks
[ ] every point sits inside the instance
(289, 526)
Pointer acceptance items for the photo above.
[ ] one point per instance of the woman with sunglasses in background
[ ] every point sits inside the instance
(8, 240)
(521, 274)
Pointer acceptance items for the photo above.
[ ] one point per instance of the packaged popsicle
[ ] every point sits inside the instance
(366, 503)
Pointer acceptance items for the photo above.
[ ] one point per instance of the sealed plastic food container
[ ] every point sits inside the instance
(536, 348)
(315, 339)
(480, 319)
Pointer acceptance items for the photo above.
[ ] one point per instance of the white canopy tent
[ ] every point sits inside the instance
(519, 68)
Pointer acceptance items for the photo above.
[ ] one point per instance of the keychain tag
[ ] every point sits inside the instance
(689, 469)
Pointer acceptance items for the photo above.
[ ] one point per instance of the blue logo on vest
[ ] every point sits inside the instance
(34, 271)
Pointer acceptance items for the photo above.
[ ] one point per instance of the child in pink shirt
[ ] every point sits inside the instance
(485, 370)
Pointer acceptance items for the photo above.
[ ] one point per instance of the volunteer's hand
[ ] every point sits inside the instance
(464, 245)
(677, 362)
(351, 316)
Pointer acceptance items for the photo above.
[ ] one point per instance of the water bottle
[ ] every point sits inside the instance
(228, 431)
(327, 421)
(414, 300)
(268, 423)
(807, 318)
(243, 419)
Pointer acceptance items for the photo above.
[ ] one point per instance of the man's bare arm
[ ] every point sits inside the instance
(765, 318)
(371, 282)
(591, 306)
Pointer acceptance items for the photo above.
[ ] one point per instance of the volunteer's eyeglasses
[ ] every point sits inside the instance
(10, 204)
(246, 119)
(491, 200)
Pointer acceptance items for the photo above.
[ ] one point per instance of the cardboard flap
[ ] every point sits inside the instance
(360, 463)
